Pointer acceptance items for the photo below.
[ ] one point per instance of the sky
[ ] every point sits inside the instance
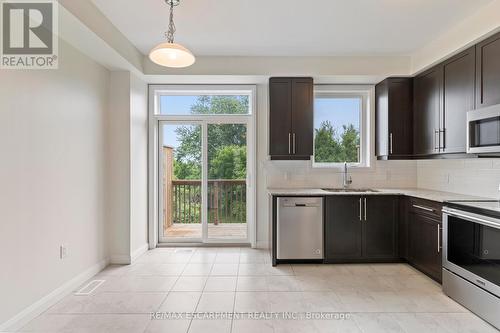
(338, 111)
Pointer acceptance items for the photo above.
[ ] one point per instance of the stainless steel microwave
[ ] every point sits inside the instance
(483, 130)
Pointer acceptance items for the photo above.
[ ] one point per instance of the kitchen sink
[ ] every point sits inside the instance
(349, 190)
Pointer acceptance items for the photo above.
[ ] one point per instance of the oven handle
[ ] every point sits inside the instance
(484, 220)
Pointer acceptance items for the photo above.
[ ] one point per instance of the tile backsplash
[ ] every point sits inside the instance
(382, 174)
(480, 177)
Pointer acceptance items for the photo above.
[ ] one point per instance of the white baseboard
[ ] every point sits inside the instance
(139, 251)
(125, 259)
(262, 245)
(119, 259)
(35, 309)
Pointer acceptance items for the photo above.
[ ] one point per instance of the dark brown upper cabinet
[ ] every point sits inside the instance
(458, 98)
(291, 118)
(394, 118)
(427, 109)
(488, 72)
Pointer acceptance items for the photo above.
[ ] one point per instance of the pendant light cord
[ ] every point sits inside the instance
(171, 25)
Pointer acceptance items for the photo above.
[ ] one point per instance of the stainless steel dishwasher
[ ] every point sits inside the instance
(299, 228)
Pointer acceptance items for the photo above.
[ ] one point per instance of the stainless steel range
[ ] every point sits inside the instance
(471, 262)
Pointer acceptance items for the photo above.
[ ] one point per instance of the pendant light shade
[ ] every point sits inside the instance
(170, 54)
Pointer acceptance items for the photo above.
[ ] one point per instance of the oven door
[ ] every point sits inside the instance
(472, 248)
(483, 130)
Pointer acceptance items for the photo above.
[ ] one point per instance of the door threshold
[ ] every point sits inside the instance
(203, 245)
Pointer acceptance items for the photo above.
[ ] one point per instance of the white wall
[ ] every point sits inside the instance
(127, 167)
(281, 66)
(479, 177)
(52, 176)
(138, 166)
(477, 26)
(118, 169)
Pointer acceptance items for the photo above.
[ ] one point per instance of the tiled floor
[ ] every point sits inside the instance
(372, 298)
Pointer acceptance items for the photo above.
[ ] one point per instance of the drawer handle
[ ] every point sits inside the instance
(424, 208)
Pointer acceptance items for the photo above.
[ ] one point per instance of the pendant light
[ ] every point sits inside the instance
(170, 54)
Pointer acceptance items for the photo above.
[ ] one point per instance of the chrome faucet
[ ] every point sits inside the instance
(347, 179)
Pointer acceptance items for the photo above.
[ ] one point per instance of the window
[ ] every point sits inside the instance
(203, 100)
(340, 117)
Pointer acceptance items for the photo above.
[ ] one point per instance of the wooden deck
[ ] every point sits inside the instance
(220, 231)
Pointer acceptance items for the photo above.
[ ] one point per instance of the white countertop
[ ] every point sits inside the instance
(412, 192)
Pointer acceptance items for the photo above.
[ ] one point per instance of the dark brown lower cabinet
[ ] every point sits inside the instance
(380, 227)
(361, 228)
(343, 227)
(424, 244)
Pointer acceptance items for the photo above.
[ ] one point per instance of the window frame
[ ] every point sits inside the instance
(202, 90)
(365, 93)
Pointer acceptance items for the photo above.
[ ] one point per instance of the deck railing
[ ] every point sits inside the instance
(226, 201)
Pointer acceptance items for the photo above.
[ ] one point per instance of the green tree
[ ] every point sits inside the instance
(332, 147)
(326, 146)
(223, 141)
(229, 162)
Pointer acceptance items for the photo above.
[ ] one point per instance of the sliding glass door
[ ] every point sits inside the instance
(204, 158)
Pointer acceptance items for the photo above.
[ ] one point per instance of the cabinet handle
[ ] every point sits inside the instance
(439, 239)
(365, 209)
(390, 143)
(436, 142)
(289, 143)
(294, 143)
(360, 209)
(441, 139)
(424, 208)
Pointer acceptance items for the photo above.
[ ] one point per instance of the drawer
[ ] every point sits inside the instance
(426, 207)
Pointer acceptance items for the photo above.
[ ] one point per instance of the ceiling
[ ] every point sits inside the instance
(290, 27)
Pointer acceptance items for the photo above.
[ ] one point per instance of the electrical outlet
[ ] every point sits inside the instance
(63, 251)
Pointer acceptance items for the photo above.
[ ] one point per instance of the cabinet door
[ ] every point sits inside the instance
(425, 241)
(302, 117)
(488, 72)
(400, 116)
(458, 97)
(380, 226)
(404, 216)
(426, 112)
(280, 116)
(382, 119)
(343, 227)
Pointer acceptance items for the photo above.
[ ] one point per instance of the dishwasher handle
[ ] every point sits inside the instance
(298, 204)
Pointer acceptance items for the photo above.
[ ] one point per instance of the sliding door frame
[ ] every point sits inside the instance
(155, 122)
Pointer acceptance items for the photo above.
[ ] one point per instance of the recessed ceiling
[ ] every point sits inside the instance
(290, 27)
